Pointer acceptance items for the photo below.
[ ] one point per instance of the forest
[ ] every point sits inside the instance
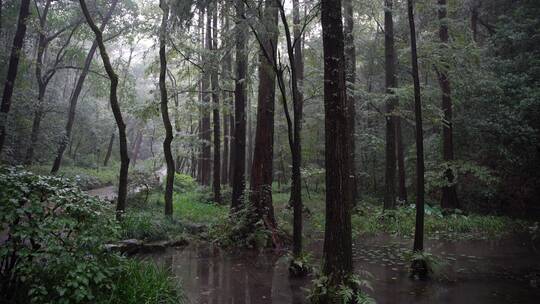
(269, 151)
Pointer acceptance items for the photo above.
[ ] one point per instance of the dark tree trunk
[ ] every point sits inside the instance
(298, 103)
(249, 136)
(109, 150)
(239, 150)
(77, 92)
(16, 51)
(350, 81)
(474, 21)
(206, 168)
(402, 189)
(419, 228)
(391, 101)
(337, 250)
(124, 158)
(262, 166)
(216, 180)
(449, 198)
(165, 110)
(225, 160)
(227, 106)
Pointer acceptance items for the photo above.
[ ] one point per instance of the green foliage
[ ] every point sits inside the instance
(184, 183)
(150, 225)
(85, 178)
(349, 291)
(144, 282)
(435, 265)
(401, 221)
(55, 237)
(300, 266)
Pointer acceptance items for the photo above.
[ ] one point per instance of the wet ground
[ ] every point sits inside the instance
(477, 272)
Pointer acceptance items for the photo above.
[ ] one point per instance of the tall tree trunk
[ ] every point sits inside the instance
(16, 51)
(225, 160)
(227, 99)
(391, 101)
(239, 150)
(124, 158)
(449, 198)
(337, 250)
(77, 92)
(249, 137)
(216, 180)
(262, 166)
(350, 81)
(136, 147)
(419, 228)
(298, 88)
(165, 110)
(206, 133)
(474, 20)
(109, 150)
(402, 189)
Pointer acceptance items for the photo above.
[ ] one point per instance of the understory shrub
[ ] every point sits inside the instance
(54, 234)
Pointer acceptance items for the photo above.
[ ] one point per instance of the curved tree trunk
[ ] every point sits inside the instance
(391, 101)
(9, 85)
(165, 111)
(77, 92)
(124, 158)
(337, 250)
(239, 150)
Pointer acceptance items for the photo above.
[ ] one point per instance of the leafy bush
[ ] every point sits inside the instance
(184, 183)
(348, 292)
(54, 248)
(149, 225)
(55, 233)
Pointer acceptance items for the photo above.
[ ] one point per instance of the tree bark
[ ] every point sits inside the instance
(227, 106)
(109, 150)
(16, 51)
(391, 102)
(262, 166)
(402, 189)
(239, 150)
(124, 158)
(165, 110)
(350, 80)
(136, 147)
(77, 92)
(419, 227)
(337, 250)
(216, 180)
(449, 198)
(206, 168)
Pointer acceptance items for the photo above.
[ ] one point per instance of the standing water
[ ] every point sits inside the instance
(477, 272)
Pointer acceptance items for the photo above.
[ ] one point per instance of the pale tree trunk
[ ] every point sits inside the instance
(239, 142)
(206, 132)
(449, 198)
(216, 180)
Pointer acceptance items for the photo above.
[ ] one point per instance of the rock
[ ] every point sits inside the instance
(193, 228)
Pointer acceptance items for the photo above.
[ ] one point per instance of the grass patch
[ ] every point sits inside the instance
(145, 282)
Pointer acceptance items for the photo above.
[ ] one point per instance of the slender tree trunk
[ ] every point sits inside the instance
(109, 150)
(249, 138)
(449, 198)
(124, 158)
(216, 180)
(136, 147)
(262, 166)
(350, 80)
(227, 108)
(77, 92)
(16, 51)
(206, 133)
(225, 160)
(474, 20)
(165, 110)
(239, 150)
(337, 251)
(419, 228)
(391, 101)
(402, 189)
